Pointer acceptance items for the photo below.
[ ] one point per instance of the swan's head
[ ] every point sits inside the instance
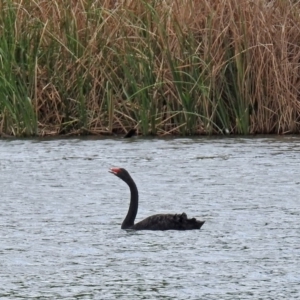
(121, 173)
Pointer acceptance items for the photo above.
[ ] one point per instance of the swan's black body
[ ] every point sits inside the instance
(155, 222)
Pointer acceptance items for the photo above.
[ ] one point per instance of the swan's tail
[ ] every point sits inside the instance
(190, 223)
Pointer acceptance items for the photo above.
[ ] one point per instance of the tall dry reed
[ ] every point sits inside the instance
(172, 67)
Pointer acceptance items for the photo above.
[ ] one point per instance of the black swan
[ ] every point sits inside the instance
(155, 222)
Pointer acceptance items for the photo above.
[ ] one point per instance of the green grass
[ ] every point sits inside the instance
(17, 76)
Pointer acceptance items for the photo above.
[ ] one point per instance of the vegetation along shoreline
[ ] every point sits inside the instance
(173, 67)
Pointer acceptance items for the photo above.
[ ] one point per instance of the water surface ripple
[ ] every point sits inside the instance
(60, 216)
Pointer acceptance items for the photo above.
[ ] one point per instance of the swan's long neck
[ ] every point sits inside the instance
(133, 207)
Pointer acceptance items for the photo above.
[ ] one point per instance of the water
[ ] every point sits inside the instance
(60, 216)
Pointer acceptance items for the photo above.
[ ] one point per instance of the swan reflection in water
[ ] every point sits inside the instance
(155, 222)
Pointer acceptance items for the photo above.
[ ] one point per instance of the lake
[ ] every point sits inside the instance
(61, 212)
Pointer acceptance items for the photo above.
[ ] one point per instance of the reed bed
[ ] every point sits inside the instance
(164, 66)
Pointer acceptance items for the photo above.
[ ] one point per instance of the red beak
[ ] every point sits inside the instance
(114, 170)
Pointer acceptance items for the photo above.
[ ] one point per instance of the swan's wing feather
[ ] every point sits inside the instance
(168, 222)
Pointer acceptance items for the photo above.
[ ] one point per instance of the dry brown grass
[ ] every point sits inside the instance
(188, 67)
